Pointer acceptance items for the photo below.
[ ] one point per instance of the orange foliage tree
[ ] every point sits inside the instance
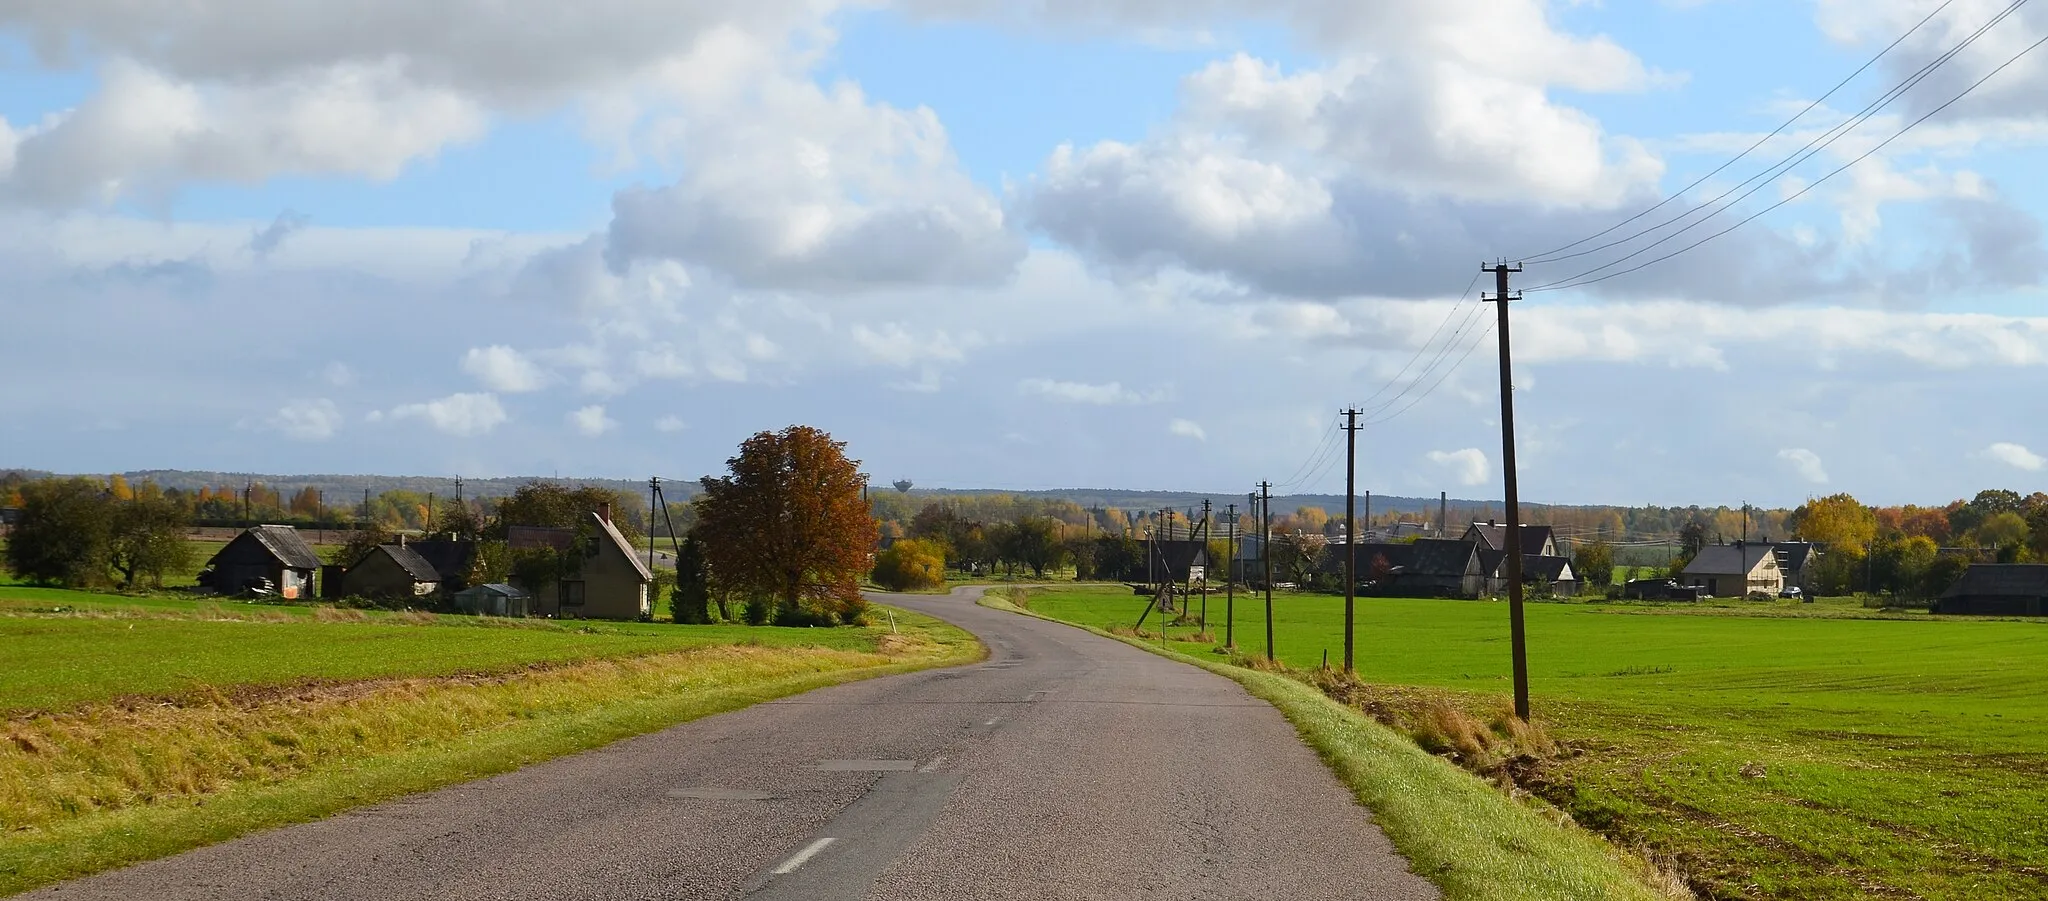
(789, 525)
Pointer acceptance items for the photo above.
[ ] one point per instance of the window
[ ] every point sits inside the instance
(572, 594)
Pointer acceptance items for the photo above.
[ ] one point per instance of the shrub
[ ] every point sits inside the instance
(911, 564)
(758, 611)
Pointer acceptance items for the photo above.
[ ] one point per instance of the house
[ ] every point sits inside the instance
(1795, 562)
(452, 559)
(277, 553)
(1998, 589)
(494, 599)
(1549, 572)
(1441, 567)
(1491, 536)
(1735, 570)
(1170, 560)
(392, 572)
(608, 581)
(1376, 561)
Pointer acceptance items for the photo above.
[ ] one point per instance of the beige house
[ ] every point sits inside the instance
(1735, 570)
(612, 582)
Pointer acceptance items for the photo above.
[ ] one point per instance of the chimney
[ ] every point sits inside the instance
(401, 539)
(604, 511)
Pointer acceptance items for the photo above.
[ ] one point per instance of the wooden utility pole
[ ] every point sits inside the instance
(1266, 545)
(1205, 574)
(1517, 640)
(653, 507)
(1350, 529)
(1230, 582)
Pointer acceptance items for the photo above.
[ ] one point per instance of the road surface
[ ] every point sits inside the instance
(1065, 766)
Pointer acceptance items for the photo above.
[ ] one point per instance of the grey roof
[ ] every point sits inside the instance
(1741, 559)
(1793, 556)
(1493, 536)
(1441, 556)
(2006, 579)
(1549, 568)
(287, 545)
(1398, 556)
(498, 588)
(451, 558)
(411, 561)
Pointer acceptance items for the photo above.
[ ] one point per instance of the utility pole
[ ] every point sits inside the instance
(1266, 542)
(1350, 528)
(1517, 640)
(1206, 537)
(1230, 582)
(654, 499)
(246, 491)
(430, 513)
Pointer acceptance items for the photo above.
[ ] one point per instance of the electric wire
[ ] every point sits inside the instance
(1547, 256)
(1574, 281)
(1403, 371)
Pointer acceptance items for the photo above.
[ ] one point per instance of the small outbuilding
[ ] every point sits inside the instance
(390, 572)
(277, 553)
(494, 599)
(1998, 589)
(1170, 560)
(1735, 570)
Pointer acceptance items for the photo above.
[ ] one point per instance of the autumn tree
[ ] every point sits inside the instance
(788, 524)
(1594, 563)
(1838, 521)
(1035, 542)
(911, 564)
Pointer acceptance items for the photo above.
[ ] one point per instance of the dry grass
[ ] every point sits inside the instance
(327, 614)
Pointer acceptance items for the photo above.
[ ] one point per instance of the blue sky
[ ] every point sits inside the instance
(990, 243)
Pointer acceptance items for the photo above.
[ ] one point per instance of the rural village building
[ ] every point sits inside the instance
(277, 553)
(1735, 570)
(1795, 562)
(389, 571)
(452, 560)
(1538, 541)
(1170, 560)
(1998, 589)
(1426, 567)
(611, 581)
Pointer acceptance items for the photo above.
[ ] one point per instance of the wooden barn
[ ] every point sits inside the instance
(390, 572)
(1998, 589)
(277, 553)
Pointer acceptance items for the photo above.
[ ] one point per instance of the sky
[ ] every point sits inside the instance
(1034, 244)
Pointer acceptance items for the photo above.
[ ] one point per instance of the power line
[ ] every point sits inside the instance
(1546, 256)
(1448, 316)
(1778, 170)
(1474, 318)
(1574, 283)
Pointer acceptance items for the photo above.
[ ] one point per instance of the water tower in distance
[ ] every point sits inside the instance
(902, 485)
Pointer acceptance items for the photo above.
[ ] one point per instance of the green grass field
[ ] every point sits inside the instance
(1781, 751)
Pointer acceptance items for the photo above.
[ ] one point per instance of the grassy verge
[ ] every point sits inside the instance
(1470, 840)
(1769, 750)
(101, 785)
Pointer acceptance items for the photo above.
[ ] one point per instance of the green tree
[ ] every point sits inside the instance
(1035, 542)
(2002, 531)
(64, 534)
(361, 542)
(1988, 503)
(691, 603)
(788, 523)
(1594, 563)
(146, 539)
(911, 564)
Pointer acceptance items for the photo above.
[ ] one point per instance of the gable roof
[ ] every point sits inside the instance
(1794, 555)
(1398, 556)
(1493, 536)
(1441, 556)
(451, 558)
(410, 561)
(606, 529)
(2007, 579)
(1549, 568)
(282, 542)
(1720, 559)
(527, 538)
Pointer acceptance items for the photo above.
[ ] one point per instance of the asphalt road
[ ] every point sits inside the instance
(1065, 766)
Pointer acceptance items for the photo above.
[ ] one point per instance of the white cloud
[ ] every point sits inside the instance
(1086, 393)
(1468, 465)
(670, 424)
(2016, 456)
(461, 415)
(307, 420)
(591, 422)
(1187, 429)
(504, 369)
(1806, 463)
(338, 374)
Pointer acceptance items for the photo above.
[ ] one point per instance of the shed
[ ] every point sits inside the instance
(452, 560)
(1170, 560)
(277, 553)
(1735, 570)
(1998, 589)
(494, 599)
(391, 571)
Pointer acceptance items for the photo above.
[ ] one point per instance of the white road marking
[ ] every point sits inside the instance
(933, 765)
(991, 721)
(801, 857)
